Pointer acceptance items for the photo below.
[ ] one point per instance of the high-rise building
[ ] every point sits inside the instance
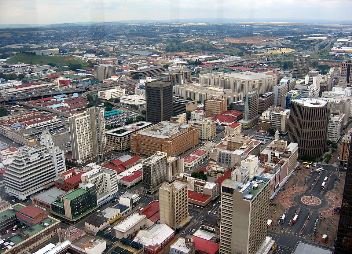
(265, 101)
(105, 182)
(34, 168)
(173, 201)
(300, 66)
(345, 78)
(87, 134)
(335, 127)
(308, 125)
(215, 106)
(154, 171)
(159, 101)
(343, 243)
(104, 71)
(180, 106)
(251, 110)
(244, 215)
(344, 150)
(280, 92)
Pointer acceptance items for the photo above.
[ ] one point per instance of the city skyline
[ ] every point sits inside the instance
(42, 12)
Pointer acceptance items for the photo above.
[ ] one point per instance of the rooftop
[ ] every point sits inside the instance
(129, 222)
(154, 236)
(49, 196)
(305, 248)
(310, 102)
(74, 194)
(128, 129)
(165, 130)
(205, 246)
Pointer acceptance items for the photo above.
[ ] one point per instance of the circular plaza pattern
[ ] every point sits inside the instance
(311, 200)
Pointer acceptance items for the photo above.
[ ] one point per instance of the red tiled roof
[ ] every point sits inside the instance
(132, 177)
(76, 179)
(152, 211)
(31, 211)
(190, 159)
(234, 125)
(198, 196)
(222, 178)
(119, 168)
(199, 152)
(205, 246)
(131, 161)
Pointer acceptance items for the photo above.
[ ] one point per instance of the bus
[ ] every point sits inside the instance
(294, 220)
(323, 185)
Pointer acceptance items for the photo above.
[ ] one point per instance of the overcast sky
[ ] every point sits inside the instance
(63, 11)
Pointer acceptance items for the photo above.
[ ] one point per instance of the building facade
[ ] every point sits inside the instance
(173, 202)
(34, 168)
(159, 101)
(244, 215)
(171, 138)
(215, 106)
(155, 171)
(87, 131)
(307, 126)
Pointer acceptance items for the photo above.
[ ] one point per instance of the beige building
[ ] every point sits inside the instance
(171, 138)
(215, 106)
(206, 127)
(87, 134)
(244, 215)
(173, 202)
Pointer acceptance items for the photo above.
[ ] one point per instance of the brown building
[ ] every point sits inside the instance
(265, 101)
(171, 138)
(307, 126)
(215, 106)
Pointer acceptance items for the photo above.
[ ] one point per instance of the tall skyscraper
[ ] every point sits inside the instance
(159, 101)
(154, 171)
(244, 215)
(343, 242)
(34, 168)
(307, 126)
(173, 201)
(251, 104)
(345, 78)
(87, 134)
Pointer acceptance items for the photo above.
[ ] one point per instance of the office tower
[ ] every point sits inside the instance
(244, 215)
(345, 78)
(180, 106)
(159, 101)
(104, 71)
(343, 242)
(171, 138)
(300, 66)
(307, 126)
(215, 106)
(173, 201)
(251, 106)
(87, 134)
(265, 101)
(280, 92)
(154, 171)
(335, 127)
(34, 168)
(105, 181)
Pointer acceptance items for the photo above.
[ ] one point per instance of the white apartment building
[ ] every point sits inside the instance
(34, 168)
(87, 134)
(173, 201)
(277, 117)
(244, 215)
(113, 93)
(105, 182)
(250, 165)
(240, 83)
(335, 127)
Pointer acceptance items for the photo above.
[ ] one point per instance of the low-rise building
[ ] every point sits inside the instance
(46, 198)
(182, 246)
(114, 93)
(96, 223)
(195, 159)
(155, 238)
(119, 139)
(129, 226)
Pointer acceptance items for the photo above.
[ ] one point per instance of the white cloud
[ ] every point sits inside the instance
(59, 11)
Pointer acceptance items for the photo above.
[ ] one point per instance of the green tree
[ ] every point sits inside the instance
(199, 175)
(3, 111)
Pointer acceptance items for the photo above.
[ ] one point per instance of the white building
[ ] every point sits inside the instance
(335, 127)
(129, 226)
(34, 168)
(87, 134)
(134, 101)
(180, 247)
(105, 181)
(113, 93)
(277, 117)
(250, 165)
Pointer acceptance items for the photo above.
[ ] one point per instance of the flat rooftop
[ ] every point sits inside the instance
(128, 129)
(310, 102)
(129, 222)
(165, 130)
